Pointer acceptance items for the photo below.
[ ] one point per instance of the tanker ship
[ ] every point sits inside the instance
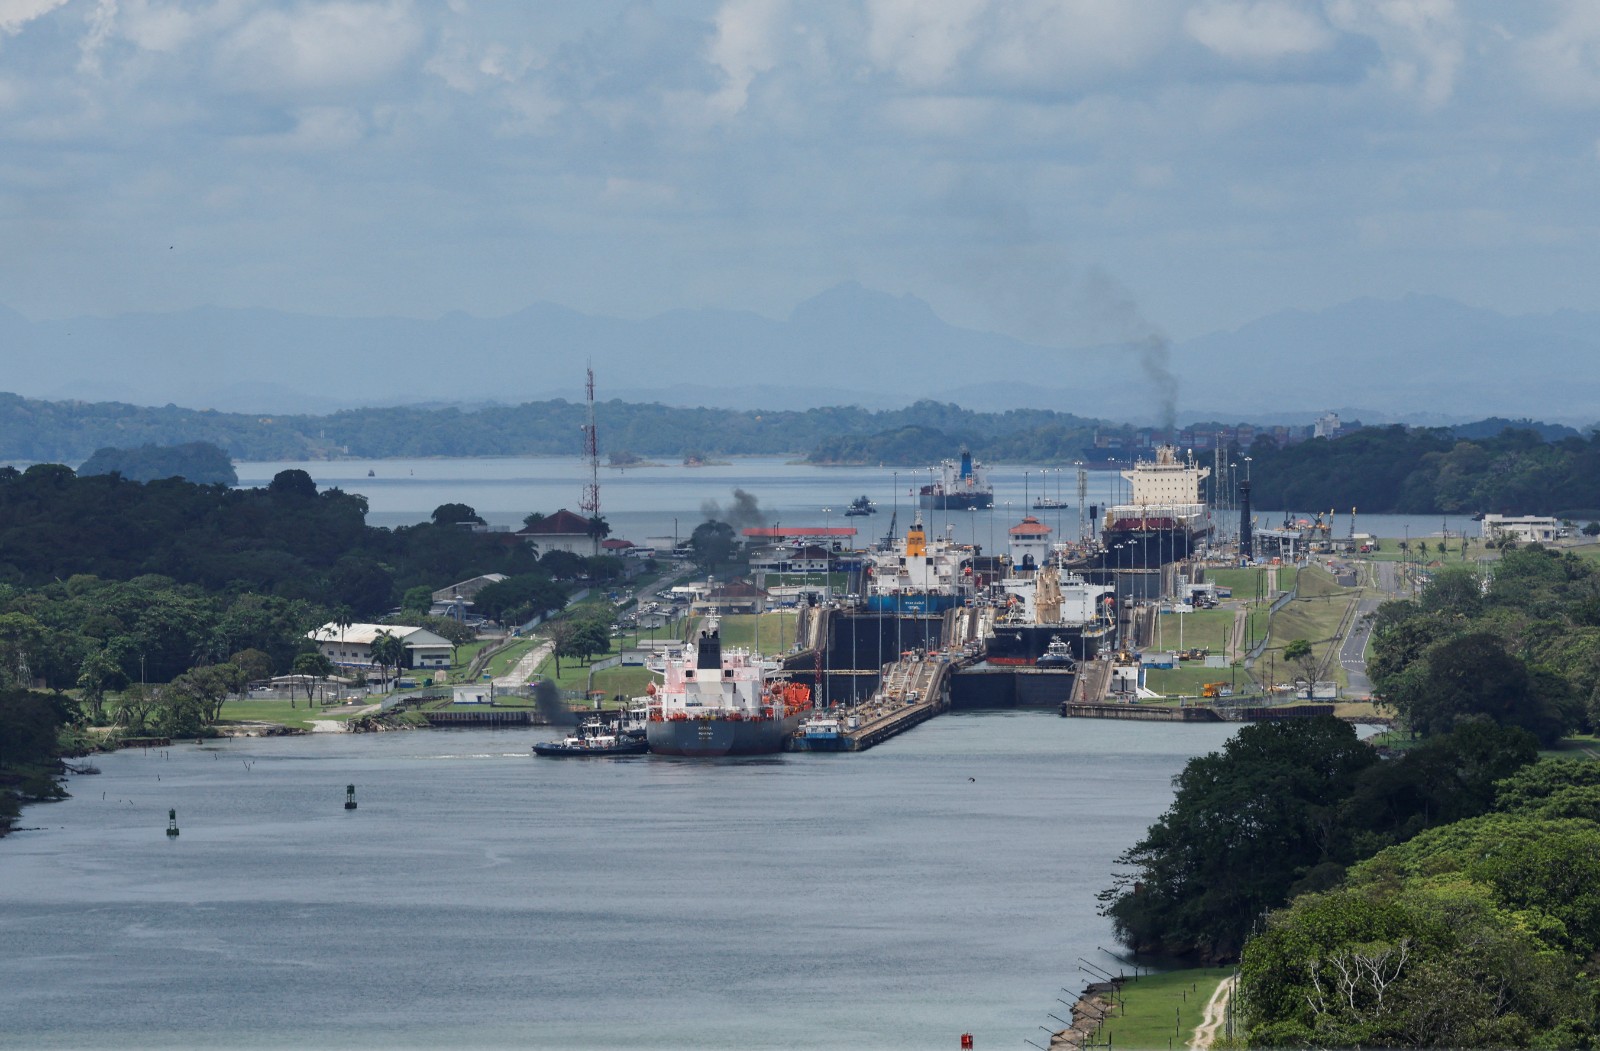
(712, 703)
(962, 486)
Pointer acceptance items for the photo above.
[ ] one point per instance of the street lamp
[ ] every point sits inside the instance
(827, 549)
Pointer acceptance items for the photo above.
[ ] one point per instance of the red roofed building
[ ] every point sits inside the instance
(562, 531)
(1030, 542)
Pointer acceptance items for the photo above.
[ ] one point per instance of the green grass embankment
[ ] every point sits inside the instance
(1159, 1011)
(298, 716)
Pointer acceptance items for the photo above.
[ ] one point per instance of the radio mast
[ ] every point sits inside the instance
(590, 505)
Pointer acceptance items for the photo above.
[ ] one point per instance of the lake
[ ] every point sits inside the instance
(480, 898)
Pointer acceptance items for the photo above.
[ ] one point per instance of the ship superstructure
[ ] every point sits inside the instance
(963, 485)
(1165, 514)
(714, 702)
(919, 574)
(1049, 604)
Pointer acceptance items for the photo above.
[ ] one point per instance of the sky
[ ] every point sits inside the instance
(1034, 167)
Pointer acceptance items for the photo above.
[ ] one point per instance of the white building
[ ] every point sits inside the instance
(351, 646)
(1029, 543)
(1528, 529)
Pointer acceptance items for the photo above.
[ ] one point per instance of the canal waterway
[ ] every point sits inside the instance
(671, 499)
(479, 898)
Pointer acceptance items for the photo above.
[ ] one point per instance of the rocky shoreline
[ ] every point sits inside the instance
(1095, 1004)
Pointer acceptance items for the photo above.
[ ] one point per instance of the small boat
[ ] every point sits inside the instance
(1056, 655)
(1049, 503)
(860, 506)
(371, 473)
(593, 738)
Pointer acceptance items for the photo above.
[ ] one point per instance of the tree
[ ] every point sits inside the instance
(418, 599)
(254, 665)
(293, 483)
(712, 544)
(1245, 825)
(98, 675)
(387, 652)
(455, 514)
(566, 641)
(313, 666)
(1592, 529)
(1299, 651)
(134, 705)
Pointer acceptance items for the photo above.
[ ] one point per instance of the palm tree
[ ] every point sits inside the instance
(387, 652)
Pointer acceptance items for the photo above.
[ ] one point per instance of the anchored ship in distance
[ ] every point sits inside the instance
(713, 702)
(963, 485)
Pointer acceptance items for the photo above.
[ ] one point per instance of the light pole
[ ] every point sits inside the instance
(827, 549)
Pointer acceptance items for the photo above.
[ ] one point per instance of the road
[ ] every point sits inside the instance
(1210, 1027)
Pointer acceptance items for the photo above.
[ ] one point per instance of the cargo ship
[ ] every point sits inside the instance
(1046, 607)
(713, 702)
(963, 485)
(1165, 517)
(919, 574)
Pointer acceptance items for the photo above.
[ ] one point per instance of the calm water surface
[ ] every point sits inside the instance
(661, 501)
(941, 883)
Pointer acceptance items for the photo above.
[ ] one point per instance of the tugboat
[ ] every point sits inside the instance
(1056, 655)
(860, 506)
(594, 738)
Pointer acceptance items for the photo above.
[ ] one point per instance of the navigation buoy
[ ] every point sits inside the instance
(172, 823)
(350, 797)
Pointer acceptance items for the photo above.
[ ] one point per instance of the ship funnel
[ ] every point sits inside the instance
(709, 653)
(966, 464)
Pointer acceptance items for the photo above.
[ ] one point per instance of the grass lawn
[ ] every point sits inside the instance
(1578, 746)
(1203, 629)
(274, 711)
(1162, 1010)
(1242, 581)
(776, 631)
(1186, 679)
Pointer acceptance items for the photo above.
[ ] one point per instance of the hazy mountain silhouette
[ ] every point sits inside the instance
(847, 345)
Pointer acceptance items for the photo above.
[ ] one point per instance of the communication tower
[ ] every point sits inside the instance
(590, 504)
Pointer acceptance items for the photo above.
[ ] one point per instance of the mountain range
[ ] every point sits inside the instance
(1417, 358)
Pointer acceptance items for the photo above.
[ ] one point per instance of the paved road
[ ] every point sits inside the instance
(523, 670)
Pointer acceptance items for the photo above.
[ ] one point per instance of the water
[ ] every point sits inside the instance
(667, 501)
(941, 883)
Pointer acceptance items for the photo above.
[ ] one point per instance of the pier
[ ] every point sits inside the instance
(489, 717)
(913, 691)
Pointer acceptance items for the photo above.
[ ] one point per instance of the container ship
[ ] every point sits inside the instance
(963, 485)
(919, 574)
(714, 703)
(1049, 607)
(1165, 517)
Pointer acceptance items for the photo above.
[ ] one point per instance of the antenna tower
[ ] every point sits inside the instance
(590, 505)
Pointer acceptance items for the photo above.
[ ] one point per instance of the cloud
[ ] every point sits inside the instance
(1421, 41)
(1563, 62)
(319, 48)
(14, 14)
(989, 45)
(1258, 30)
(744, 47)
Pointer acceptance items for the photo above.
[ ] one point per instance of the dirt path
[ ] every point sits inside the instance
(1211, 1022)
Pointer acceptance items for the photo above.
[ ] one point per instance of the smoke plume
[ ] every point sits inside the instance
(744, 513)
(1115, 307)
